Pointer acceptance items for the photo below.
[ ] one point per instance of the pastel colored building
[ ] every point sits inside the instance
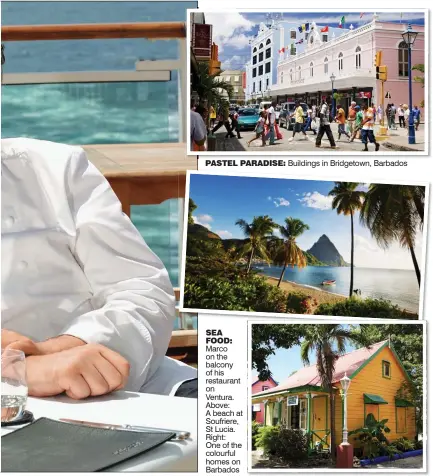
(261, 386)
(350, 57)
(377, 376)
(266, 53)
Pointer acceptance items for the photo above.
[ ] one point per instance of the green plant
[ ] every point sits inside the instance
(418, 445)
(300, 303)
(404, 444)
(284, 443)
(354, 307)
(373, 439)
(255, 428)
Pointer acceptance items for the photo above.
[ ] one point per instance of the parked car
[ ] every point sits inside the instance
(277, 112)
(248, 118)
(287, 114)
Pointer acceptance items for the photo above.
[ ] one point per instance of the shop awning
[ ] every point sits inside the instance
(374, 399)
(401, 402)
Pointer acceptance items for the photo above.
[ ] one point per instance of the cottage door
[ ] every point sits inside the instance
(303, 414)
(320, 420)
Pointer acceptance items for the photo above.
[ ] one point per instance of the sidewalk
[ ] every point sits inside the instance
(398, 140)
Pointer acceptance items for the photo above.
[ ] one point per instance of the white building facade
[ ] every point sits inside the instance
(274, 43)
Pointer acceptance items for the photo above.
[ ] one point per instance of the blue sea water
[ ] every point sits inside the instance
(396, 285)
(98, 113)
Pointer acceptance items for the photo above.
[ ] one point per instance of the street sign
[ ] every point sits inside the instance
(388, 95)
(291, 401)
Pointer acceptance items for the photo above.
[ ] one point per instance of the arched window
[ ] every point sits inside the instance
(403, 63)
(325, 62)
(282, 77)
(340, 62)
(311, 69)
(255, 50)
(299, 72)
(261, 46)
(291, 75)
(268, 41)
(358, 57)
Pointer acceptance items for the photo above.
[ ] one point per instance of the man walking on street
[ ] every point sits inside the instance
(416, 117)
(235, 124)
(340, 119)
(299, 122)
(325, 127)
(367, 133)
(351, 117)
(358, 123)
(271, 120)
(223, 120)
(400, 112)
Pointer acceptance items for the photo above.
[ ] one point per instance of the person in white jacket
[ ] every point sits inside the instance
(82, 294)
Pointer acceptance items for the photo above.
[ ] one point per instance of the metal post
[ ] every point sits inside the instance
(333, 102)
(182, 80)
(345, 432)
(411, 124)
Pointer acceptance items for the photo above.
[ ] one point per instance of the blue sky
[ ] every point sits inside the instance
(222, 200)
(285, 361)
(233, 30)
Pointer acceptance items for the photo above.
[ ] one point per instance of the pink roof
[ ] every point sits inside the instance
(346, 364)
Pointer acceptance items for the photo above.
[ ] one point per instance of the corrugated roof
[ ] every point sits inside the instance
(346, 364)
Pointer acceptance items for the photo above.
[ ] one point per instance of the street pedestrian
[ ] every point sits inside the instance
(380, 114)
(406, 112)
(340, 119)
(299, 122)
(271, 122)
(400, 113)
(223, 120)
(325, 127)
(235, 123)
(260, 129)
(358, 123)
(367, 132)
(416, 117)
(309, 122)
(351, 117)
(212, 116)
(374, 112)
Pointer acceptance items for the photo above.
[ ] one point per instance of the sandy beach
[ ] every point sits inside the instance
(321, 296)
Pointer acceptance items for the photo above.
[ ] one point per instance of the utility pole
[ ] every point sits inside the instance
(382, 75)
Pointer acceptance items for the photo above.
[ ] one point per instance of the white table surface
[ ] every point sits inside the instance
(133, 408)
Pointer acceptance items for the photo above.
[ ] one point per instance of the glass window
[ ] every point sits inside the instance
(261, 56)
(340, 62)
(254, 72)
(293, 50)
(325, 37)
(261, 46)
(403, 61)
(236, 79)
(265, 387)
(260, 70)
(227, 79)
(255, 50)
(386, 369)
(358, 57)
(260, 85)
(268, 53)
(267, 83)
(268, 67)
(255, 59)
(254, 87)
(268, 41)
(293, 34)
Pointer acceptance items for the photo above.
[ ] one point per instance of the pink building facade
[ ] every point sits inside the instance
(260, 386)
(351, 59)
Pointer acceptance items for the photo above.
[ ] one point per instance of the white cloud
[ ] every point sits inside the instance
(316, 200)
(226, 25)
(363, 244)
(203, 220)
(269, 198)
(235, 62)
(281, 202)
(224, 234)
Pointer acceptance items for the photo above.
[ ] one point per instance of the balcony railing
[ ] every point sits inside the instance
(149, 171)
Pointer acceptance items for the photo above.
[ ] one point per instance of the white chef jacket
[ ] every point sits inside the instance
(73, 263)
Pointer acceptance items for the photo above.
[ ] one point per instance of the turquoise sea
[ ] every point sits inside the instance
(98, 113)
(399, 286)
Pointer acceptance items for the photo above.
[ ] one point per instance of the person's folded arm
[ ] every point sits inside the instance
(133, 300)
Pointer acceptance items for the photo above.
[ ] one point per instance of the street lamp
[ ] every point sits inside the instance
(409, 37)
(332, 78)
(345, 384)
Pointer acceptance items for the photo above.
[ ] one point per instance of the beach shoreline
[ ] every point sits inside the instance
(322, 296)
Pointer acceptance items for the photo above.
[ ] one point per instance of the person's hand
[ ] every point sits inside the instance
(16, 341)
(81, 372)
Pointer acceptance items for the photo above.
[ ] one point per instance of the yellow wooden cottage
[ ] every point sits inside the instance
(376, 375)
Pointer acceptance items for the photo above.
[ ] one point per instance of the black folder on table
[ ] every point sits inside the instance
(52, 446)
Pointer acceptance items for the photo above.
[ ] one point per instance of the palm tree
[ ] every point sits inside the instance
(347, 200)
(289, 253)
(395, 212)
(210, 87)
(328, 342)
(257, 232)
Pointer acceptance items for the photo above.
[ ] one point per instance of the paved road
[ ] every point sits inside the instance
(408, 463)
(396, 138)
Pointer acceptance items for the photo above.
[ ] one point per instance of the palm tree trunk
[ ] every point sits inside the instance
(352, 252)
(250, 260)
(282, 275)
(333, 449)
(415, 264)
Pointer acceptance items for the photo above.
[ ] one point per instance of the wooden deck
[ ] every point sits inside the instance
(143, 174)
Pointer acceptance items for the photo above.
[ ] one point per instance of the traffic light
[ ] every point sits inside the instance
(378, 59)
(382, 73)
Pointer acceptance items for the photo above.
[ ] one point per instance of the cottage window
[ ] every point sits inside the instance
(358, 57)
(340, 62)
(325, 62)
(311, 69)
(276, 414)
(403, 60)
(265, 387)
(386, 369)
(293, 34)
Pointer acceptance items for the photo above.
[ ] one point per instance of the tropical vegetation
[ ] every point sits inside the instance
(211, 88)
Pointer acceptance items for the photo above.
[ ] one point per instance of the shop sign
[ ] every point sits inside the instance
(292, 401)
(202, 40)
